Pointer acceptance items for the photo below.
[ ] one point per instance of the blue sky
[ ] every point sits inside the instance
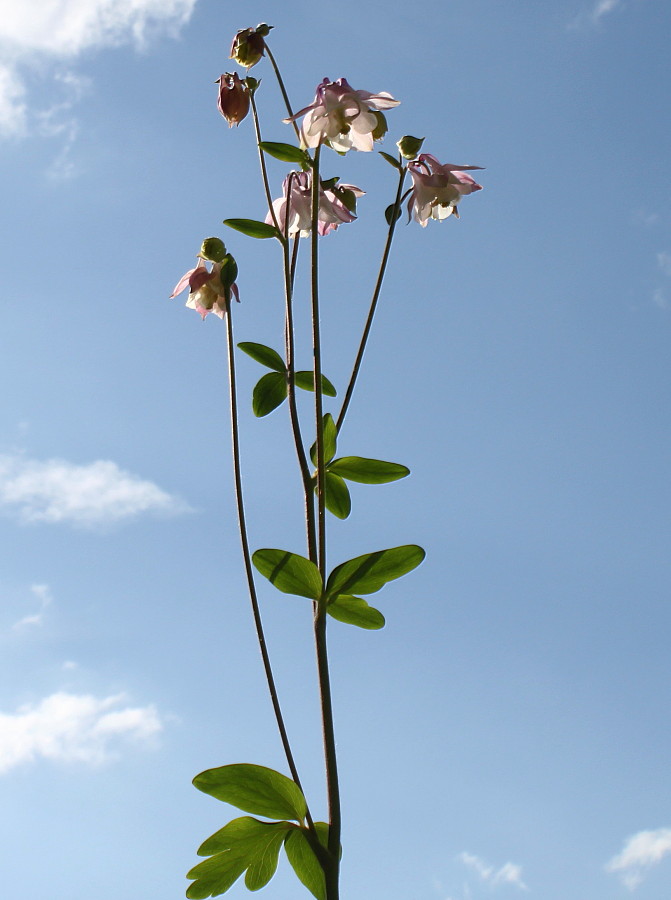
(506, 735)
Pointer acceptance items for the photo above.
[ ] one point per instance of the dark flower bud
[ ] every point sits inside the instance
(233, 98)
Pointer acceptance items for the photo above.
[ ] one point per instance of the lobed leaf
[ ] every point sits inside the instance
(254, 789)
(306, 381)
(367, 471)
(389, 214)
(244, 843)
(289, 572)
(355, 611)
(264, 355)
(303, 860)
(368, 573)
(269, 392)
(253, 228)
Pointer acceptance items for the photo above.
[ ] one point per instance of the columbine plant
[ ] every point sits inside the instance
(339, 119)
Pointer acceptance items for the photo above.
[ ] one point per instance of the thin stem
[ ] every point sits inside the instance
(331, 871)
(264, 171)
(373, 303)
(289, 269)
(237, 474)
(285, 96)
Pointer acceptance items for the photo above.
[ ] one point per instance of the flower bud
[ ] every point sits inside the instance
(213, 249)
(249, 45)
(381, 128)
(410, 146)
(228, 273)
(233, 98)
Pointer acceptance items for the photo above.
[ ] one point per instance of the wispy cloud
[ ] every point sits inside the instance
(508, 873)
(57, 36)
(664, 262)
(43, 595)
(640, 852)
(74, 728)
(97, 493)
(596, 13)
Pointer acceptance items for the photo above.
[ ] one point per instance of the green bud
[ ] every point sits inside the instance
(229, 272)
(410, 146)
(381, 128)
(213, 249)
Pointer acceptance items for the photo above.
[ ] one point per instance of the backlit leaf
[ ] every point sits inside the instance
(368, 573)
(285, 152)
(355, 611)
(254, 789)
(269, 392)
(367, 471)
(303, 860)
(330, 436)
(253, 228)
(306, 380)
(289, 572)
(264, 355)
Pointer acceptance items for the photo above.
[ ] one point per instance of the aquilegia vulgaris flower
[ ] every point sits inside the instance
(345, 118)
(209, 290)
(336, 205)
(437, 188)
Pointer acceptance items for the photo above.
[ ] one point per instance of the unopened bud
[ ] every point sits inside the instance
(381, 128)
(233, 100)
(213, 249)
(410, 146)
(249, 45)
(228, 274)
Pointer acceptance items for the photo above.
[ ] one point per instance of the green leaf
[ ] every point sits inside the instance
(254, 789)
(289, 572)
(336, 496)
(389, 214)
(390, 159)
(285, 152)
(303, 860)
(244, 843)
(367, 471)
(368, 573)
(269, 392)
(252, 228)
(306, 380)
(355, 611)
(264, 355)
(330, 436)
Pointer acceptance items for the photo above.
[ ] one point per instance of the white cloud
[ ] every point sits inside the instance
(598, 11)
(65, 29)
(641, 851)
(509, 873)
(88, 495)
(74, 728)
(659, 298)
(43, 595)
(664, 262)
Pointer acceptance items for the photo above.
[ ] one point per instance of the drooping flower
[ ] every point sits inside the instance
(344, 118)
(233, 99)
(337, 203)
(437, 188)
(249, 45)
(209, 291)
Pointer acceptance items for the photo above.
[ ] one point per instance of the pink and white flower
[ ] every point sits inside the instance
(344, 118)
(297, 192)
(207, 291)
(437, 188)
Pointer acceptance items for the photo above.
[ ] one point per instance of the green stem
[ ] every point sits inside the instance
(264, 171)
(332, 870)
(237, 476)
(289, 269)
(283, 90)
(373, 303)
